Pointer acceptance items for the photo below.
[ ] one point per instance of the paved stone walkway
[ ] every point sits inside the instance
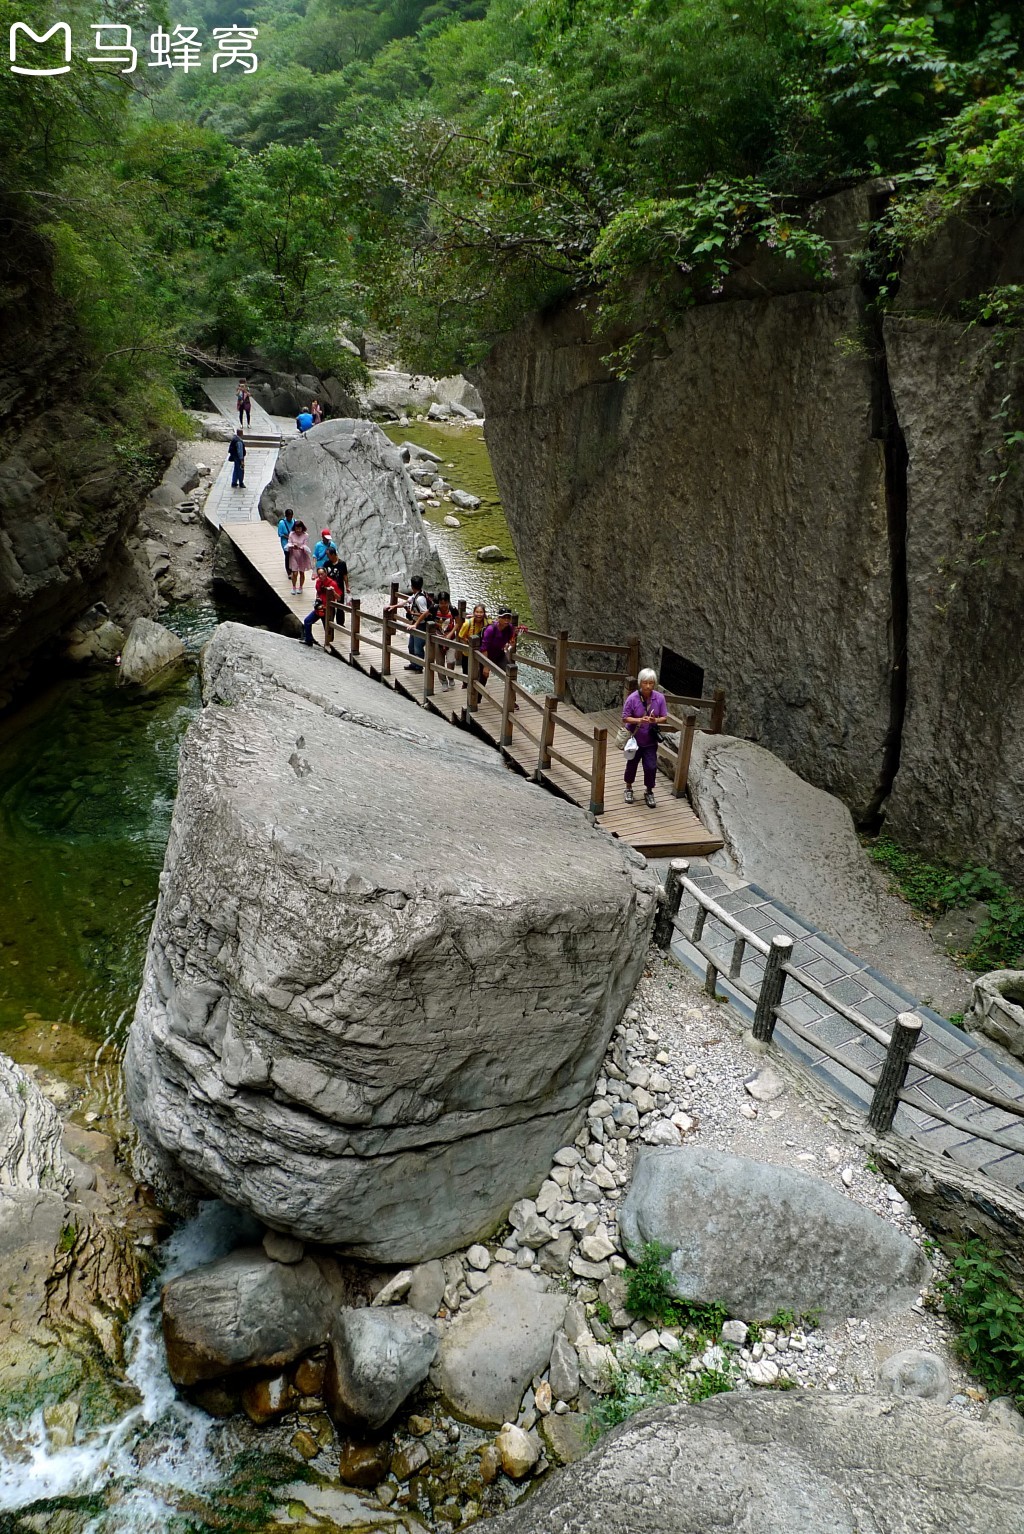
(222, 392)
(223, 504)
(857, 984)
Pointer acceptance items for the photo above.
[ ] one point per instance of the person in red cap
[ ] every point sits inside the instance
(323, 548)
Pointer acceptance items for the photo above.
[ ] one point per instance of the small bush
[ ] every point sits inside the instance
(934, 888)
(649, 1294)
(990, 1318)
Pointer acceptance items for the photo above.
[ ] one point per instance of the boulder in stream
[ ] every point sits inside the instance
(383, 971)
(149, 650)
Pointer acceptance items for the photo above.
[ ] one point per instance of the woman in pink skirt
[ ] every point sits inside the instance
(299, 558)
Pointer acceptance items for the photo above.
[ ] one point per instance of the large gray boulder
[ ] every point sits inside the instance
(149, 650)
(347, 476)
(762, 1238)
(798, 843)
(805, 1463)
(495, 1346)
(383, 971)
(377, 1358)
(243, 1311)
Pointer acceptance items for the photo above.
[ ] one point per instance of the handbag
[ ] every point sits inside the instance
(621, 736)
(631, 748)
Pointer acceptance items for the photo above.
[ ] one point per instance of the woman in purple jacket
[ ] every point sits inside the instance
(640, 714)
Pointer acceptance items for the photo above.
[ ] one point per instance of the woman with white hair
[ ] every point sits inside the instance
(640, 714)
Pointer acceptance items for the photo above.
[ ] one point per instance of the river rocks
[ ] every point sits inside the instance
(349, 476)
(997, 1009)
(519, 1452)
(69, 1272)
(392, 394)
(149, 650)
(395, 1027)
(804, 1463)
(490, 554)
(377, 1358)
(493, 1348)
(426, 1287)
(241, 1312)
(464, 500)
(915, 1373)
(761, 1238)
(94, 639)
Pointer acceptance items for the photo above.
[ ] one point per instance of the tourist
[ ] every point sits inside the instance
(640, 714)
(472, 628)
(243, 402)
(236, 456)
(284, 528)
(299, 558)
(498, 640)
(337, 570)
(304, 420)
(445, 625)
(323, 546)
(417, 610)
(330, 593)
(316, 411)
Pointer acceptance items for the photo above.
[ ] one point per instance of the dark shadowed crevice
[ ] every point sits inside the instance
(886, 429)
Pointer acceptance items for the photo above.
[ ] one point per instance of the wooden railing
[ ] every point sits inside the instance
(552, 727)
(900, 1046)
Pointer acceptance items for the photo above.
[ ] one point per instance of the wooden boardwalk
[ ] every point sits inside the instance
(670, 830)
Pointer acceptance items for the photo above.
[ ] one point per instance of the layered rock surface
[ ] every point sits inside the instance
(383, 972)
(347, 476)
(793, 1464)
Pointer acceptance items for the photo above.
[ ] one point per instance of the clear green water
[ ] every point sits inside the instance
(466, 465)
(88, 773)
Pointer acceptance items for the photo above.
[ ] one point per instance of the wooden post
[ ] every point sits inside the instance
(387, 631)
(683, 755)
(906, 1031)
(429, 660)
(736, 962)
(328, 624)
(772, 987)
(472, 701)
(508, 703)
(633, 661)
(668, 907)
(711, 980)
(718, 712)
(598, 766)
(353, 644)
(547, 734)
(561, 663)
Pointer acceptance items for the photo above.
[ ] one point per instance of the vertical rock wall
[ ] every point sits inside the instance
(744, 500)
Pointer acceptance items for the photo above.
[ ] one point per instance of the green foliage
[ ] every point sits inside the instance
(934, 888)
(649, 1294)
(989, 1314)
(640, 1382)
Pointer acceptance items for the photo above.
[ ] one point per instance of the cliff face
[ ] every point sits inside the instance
(790, 497)
(68, 498)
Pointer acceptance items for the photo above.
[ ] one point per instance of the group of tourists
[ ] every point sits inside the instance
(643, 712)
(310, 417)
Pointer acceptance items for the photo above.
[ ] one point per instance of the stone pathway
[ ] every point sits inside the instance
(222, 392)
(858, 985)
(223, 504)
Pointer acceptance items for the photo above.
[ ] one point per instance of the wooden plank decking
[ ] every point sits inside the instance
(670, 830)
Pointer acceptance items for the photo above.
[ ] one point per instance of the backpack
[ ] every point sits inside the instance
(233, 450)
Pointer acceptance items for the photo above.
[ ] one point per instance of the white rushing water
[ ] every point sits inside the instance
(162, 1446)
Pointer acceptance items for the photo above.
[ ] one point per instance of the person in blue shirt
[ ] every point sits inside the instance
(284, 527)
(321, 550)
(304, 420)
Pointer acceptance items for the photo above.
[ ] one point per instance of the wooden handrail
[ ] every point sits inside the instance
(888, 1080)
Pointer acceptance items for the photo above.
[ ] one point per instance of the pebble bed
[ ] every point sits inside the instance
(677, 1073)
